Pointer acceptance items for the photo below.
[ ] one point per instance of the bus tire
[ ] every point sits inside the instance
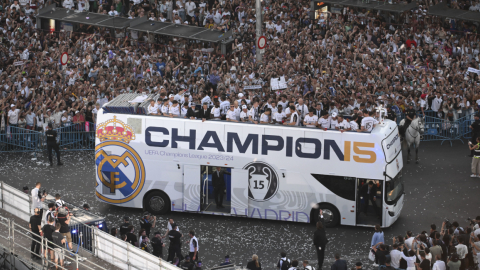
(157, 202)
(331, 215)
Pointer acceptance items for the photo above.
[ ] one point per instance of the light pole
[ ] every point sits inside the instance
(258, 30)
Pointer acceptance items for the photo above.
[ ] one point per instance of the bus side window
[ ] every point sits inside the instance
(341, 186)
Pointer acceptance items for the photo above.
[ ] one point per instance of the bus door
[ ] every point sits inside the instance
(191, 187)
(211, 196)
(239, 192)
(369, 202)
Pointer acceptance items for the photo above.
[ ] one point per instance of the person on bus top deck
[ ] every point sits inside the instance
(294, 117)
(310, 119)
(324, 121)
(368, 122)
(244, 114)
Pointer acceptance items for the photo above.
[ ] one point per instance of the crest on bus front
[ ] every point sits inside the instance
(120, 170)
(262, 181)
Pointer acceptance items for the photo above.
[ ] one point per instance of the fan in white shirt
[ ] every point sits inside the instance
(244, 114)
(368, 123)
(342, 124)
(353, 123)
(152, 108)
(265, 118)
(279, 116)
(310, 119)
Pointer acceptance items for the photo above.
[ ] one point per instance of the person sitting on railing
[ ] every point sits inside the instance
(266, 117)
(174, 109)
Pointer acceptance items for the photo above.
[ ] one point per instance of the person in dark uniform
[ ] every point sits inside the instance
(157, 245)
(124, 227)
(218, 182)
(475, 127)
(391, 114)
(52, 144)
(410, 114)
(368, 193)
(174, 248)
(320, 241)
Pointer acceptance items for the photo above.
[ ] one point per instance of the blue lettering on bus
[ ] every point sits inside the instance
(242, 148)
(215, 144)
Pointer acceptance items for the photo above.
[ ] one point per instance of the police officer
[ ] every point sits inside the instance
(475, 127)
(52, 144)
(409, 116)
(391, 114)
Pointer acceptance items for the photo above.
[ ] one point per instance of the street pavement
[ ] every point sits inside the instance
(438, 188)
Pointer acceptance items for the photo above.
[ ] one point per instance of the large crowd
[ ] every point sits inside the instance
(353, 59)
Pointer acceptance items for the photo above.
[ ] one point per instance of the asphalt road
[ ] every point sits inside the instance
(437, 188)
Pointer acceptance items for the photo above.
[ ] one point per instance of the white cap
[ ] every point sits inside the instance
(171, 95)
(13, 105)
(244, 106)
(334, 114)
(76, 112)
(240, 95)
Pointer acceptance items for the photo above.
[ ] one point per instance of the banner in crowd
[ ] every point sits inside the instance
(416, 67)
(250, 87)
(278, 83)
(474, 70)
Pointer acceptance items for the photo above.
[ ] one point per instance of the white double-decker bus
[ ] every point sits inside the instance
(270, 172)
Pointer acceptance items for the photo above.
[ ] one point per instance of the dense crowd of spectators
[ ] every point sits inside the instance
(356, 59)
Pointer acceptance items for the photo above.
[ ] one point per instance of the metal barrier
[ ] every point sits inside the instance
(20, 140)
(76, 137)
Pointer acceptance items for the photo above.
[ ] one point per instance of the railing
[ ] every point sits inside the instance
(17, 139)
(92, 239)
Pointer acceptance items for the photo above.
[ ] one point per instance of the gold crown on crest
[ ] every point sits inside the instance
(115, 130)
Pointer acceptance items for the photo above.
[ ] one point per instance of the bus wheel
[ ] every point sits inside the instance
(157, 203)
(331, 216)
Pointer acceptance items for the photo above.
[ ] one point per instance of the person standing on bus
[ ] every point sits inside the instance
(294, 117)
(218, 182)
(320, 241)
(266, 116)
(204, 112)
(152, 108)
(231, 115)
(324, 121)
(310, 119)
(174, 110)
(244, 113)
(368, 122)
(369, 194)
(253, 113)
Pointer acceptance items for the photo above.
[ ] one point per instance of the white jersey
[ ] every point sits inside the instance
(333, 123)
(174, 110)
(311, 120)
(244, 116)
(237, 111)
(152, 109)
(253, 113)
(324, 123)
(224, 106)
(279, 116)
(295, 118)
(369, 122)
(231, 115)
(353, 125)
(194, 244)
(264, 118)
(216, 112)
(302, 110)
(342, 125)
(164, 109)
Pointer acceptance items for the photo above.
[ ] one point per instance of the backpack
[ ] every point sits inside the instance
(285, 264)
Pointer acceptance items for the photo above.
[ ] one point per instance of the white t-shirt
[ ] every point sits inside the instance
(244, 116)
(190, 7)
(295, 118)
(13, 116)
(216, 112)
(369, 122)
(253, 113)
(333, 123)
(311, 120)
(279, 116)
(324, 123)
(164, 109)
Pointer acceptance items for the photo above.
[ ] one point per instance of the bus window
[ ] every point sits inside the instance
(341, 186)
(393, 189)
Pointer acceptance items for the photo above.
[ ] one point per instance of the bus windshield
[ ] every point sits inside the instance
(394, 189)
